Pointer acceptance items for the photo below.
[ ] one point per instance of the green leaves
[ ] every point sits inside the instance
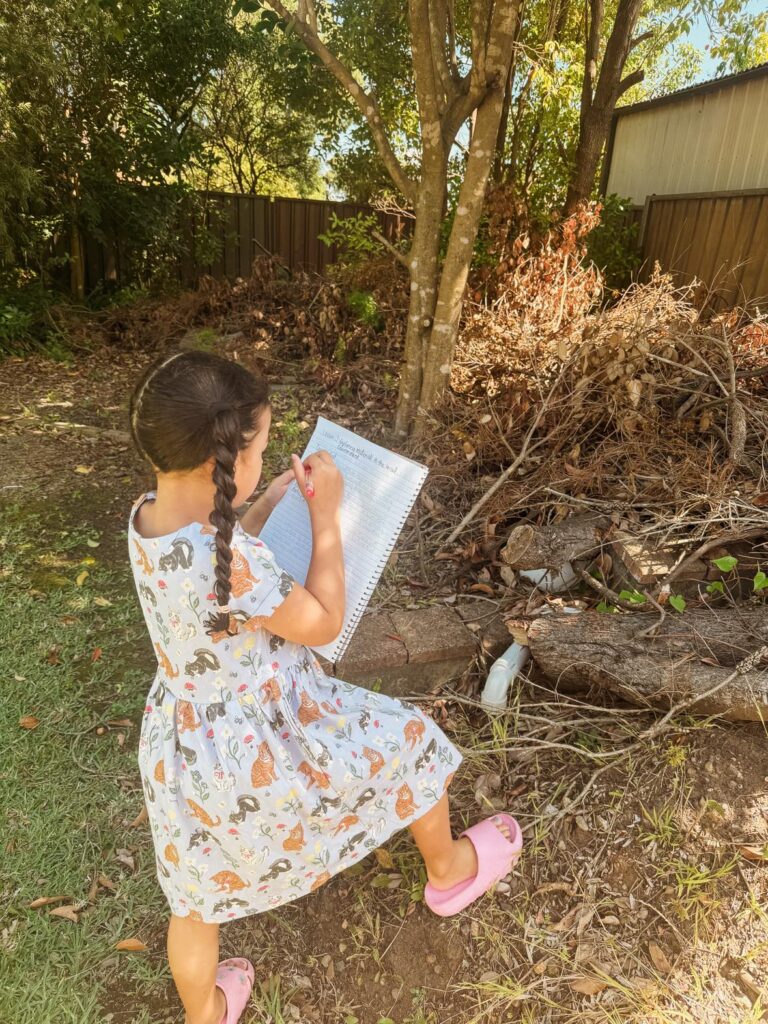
(633, 595)
(726, 563)
(678, 602)
(247, 6)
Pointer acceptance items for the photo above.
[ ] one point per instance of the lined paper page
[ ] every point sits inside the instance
(380, 488)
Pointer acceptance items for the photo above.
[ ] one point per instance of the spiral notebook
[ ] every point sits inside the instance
(380, 488)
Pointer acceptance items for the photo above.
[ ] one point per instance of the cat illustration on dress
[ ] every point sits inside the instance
(309, 709)
(185, 713)
(295, 841)
(270, 691)
(172, 855)
(263, 769)
(241, 578)
(413, 731)
(320, 880)
(312, 775)
(405, 805)
(376, 759)
(228, 881)
(346, 823)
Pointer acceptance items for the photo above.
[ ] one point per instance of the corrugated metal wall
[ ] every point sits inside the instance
(712, 141)
(721, 239)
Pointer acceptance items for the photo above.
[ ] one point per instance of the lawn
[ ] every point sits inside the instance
(645, 901)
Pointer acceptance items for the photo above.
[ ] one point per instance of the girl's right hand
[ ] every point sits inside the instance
(324, 476)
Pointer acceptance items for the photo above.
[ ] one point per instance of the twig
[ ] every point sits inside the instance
(524, 450)
(399, 256)
(722, 538)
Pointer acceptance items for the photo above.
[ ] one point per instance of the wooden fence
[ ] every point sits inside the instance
(246, 226)
(721, 238)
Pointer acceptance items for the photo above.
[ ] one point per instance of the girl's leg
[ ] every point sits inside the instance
(193, 955)
(448, 861)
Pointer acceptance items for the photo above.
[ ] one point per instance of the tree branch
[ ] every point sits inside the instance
(632, 79)
(641, 39)
(438, 23)
(365, 103)
(399, 256)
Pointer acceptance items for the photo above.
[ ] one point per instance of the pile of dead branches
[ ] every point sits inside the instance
(649, 404)
(304, 315)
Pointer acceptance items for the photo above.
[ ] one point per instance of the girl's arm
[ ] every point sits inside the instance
(253, 519)
(314, 614)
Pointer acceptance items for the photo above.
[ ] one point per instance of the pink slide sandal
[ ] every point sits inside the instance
(496, 856)
(235, 978)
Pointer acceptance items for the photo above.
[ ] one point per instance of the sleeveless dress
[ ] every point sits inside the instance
(263, 776)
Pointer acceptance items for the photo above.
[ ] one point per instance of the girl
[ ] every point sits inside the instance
(263, 776)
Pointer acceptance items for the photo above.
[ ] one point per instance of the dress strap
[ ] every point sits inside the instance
(135, 508)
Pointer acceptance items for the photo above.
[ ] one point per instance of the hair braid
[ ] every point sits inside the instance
(225, 435)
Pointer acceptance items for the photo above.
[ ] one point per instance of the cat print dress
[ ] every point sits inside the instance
(263, 776)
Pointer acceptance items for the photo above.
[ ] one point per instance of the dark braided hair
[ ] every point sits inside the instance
(187, 408)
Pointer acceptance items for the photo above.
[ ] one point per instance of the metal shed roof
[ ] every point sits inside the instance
(711, 85)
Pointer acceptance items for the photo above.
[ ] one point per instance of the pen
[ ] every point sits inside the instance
(308, 486)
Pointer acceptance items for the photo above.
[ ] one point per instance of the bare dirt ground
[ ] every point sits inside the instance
(645, 901)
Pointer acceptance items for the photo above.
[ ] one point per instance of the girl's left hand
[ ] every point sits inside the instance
(277, 488)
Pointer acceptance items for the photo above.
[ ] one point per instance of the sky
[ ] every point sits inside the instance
(699, 36)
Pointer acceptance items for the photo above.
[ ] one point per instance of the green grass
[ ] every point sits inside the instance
(67, 793)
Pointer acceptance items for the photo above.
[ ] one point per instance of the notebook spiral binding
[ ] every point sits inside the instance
(346, 635)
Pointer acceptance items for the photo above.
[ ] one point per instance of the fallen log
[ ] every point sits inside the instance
(554, 545)
(689, 655)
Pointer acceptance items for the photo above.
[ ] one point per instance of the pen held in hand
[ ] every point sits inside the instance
(308, 485)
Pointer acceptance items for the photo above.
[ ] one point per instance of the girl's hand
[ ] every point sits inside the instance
(320, 473)
(277, 488)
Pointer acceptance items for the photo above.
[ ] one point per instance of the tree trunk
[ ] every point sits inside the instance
(447, 98)
(453, 279)
(76, 268)
(689, 654)
(424, 273)
(592, 137)
(600, 92)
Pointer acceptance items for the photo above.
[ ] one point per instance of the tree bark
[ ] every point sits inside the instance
(76, 268)
(550, 547)
(424, 274)
(689, 654)
(600, 92)
(492, 72)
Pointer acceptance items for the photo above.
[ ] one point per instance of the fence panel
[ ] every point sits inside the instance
(721, 238)
(246, 226)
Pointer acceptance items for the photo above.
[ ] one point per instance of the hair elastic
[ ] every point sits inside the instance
(143, 388)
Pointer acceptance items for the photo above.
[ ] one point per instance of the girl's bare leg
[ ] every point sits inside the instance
(193, 955)
(447, 860)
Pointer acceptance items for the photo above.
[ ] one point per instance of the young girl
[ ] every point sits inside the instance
(264, 776)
